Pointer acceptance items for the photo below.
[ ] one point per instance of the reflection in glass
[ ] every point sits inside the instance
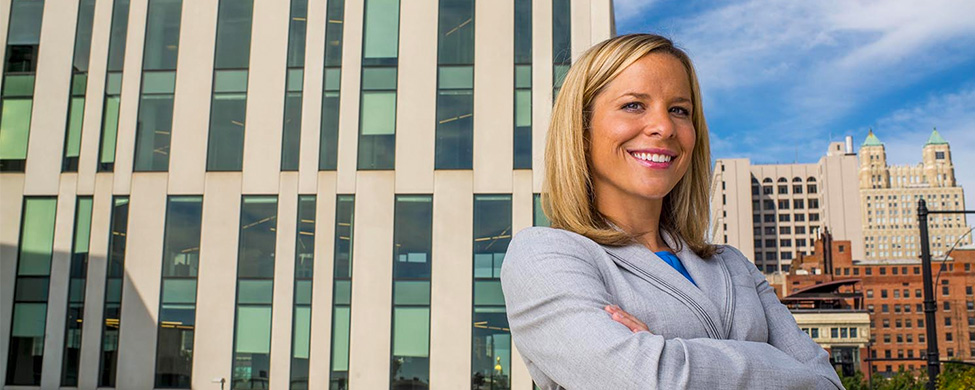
(291, 133)
(491, 344)
(413, 241)
(561, 43)
(228, 106)
(342, 292)
(328, 149)
(177, 309)
(23, 43)
(79, 80)
(255, 281)
(113, 292)
(523, 85)
(26, 347)
(304, 271)
(76, 293)
(377, 115)
(455, 85)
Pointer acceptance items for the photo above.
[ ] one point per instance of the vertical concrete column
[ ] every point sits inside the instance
(284, 281)
(494, 84)
(416, 97)
(321, 310)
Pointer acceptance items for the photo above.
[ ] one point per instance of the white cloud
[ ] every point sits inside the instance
(905, 131)
(630, 10)
(821, 58)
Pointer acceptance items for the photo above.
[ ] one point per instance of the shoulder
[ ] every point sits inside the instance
(537, 247)
(735, 260)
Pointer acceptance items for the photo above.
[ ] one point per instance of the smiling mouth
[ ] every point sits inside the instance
(652, 157)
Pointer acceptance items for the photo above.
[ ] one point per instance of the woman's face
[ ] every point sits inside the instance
(642, 134)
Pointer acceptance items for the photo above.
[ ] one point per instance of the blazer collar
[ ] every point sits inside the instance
(712, 294)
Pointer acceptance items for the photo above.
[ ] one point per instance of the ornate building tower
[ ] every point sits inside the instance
(889, 196)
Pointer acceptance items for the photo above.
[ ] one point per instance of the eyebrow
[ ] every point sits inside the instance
(644, 96)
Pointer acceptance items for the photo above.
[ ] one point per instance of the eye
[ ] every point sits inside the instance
(632, 106)
(680, 111)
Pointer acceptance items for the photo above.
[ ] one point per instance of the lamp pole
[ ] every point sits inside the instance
(930, 306)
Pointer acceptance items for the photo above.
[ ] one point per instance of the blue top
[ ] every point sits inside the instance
(674, 261)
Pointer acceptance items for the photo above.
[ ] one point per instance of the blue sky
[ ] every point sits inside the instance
(781, 79)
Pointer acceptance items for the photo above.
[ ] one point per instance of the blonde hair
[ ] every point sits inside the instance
(567, 194)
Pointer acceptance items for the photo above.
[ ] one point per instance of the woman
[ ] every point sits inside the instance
(624, 292)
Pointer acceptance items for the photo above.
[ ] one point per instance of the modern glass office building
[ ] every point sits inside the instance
(286, 194)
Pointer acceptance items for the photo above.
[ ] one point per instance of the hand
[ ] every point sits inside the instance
(625, 318)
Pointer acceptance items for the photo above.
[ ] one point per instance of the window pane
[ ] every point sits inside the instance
(174, 357)
(378, 113)
(491, 350)
(340, 339)
(234, 34)
(488, 293)
(153, 133)
(162, 35)
(82, 40)
(328, 147)
(411, 292)
(456, 77)
(113, 293)
(120, 25)
(295, 80)
(225, 149)
(255, 291)
(411, 331)
(523, 31)
(561, 32)
(230, 81)
(455, 130)
(344, 215)
(29, 320)
(333, 79)
(76, 112)
(523, 108)
(181, 245)
(540, 218)
(456, 32)
(303, 292)
(302, 332)
(37, 237)
(413, 235)
(258, 221)
(333, 32)
(296, 33)
(158, 82)
(305, 246)
(378, 78)
(31, 289)
(291, 132)
(15, 128)
(18, 85)
(523, 76)
(343, 292)
(381, 29)
(253, 329)
(25, 22)
(109, 129)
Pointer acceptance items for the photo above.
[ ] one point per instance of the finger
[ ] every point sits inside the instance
(626, 321)
(629, 317)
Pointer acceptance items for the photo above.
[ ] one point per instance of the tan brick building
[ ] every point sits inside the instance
(889, 196)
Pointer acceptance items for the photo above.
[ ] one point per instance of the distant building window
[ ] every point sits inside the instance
(783, 189)
(811, 188)
(767, 190)
(939, 155)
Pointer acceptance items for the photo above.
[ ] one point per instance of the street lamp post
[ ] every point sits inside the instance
(933, 354)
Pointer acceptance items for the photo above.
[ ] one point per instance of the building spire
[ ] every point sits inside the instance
(935, 138)
(871, 140)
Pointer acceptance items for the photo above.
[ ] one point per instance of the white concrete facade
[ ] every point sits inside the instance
(452, 191)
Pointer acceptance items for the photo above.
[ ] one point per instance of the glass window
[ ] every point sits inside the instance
(304, 270)
(30, 300)
(413, 241)
(23, 41)
(455, 95)
(76, 292)
(228, 107)
(162, 35)
(255, 281)
(341, 305)
(110, 116)
(15, 127)
(79, 80)
(523, 85)
(561, 42)
(177, 314)
(328, 149)
(113, 292)
(539, 219)
(291, 134)
(491, 343)
(377, 115)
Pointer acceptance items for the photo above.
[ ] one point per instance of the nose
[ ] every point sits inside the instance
(659, 123)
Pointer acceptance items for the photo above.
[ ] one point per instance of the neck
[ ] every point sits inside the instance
(637, 216)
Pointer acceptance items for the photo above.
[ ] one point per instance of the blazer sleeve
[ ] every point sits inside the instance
(555, 298)
(783, 332)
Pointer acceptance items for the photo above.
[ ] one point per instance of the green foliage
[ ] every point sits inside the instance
(953, 377)
(956, 377)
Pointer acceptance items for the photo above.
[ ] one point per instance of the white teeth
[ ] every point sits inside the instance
(653, 157)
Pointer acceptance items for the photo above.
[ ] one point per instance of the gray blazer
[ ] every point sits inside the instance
(731, 333)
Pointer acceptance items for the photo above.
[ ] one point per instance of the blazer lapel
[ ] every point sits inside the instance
(645, 264)
(714, 280)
